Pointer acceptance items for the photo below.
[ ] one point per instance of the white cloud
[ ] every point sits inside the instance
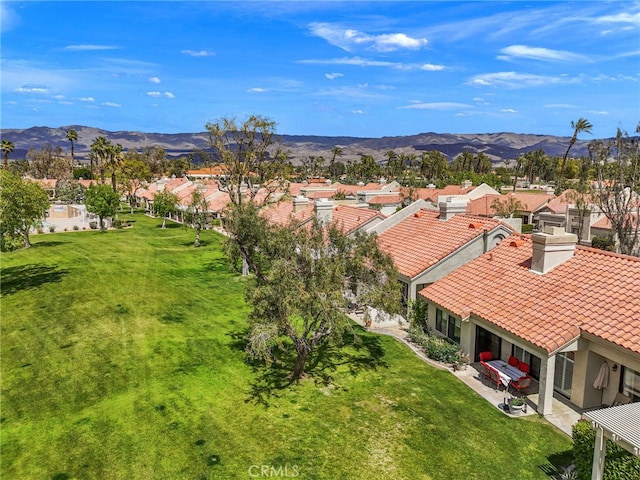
(154, 80)
(559, 105)
(437, 106)
(333, 76)
(169, 95)
(257, 90)
(157, 94)
(87, 99)
(508, 110)
(111, 104)
(516, 80)
(153, 94)
(632, 18)
(539, 53)
(354, 61)
(429, 67)
(198, 53)
(357, 112)
(89, 47)
(9, 19)
(39, 89)
(347, 39)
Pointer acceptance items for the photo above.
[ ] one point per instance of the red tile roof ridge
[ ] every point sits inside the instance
(608, 253)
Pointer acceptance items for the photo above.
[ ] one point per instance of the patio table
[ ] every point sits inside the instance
(506, 371)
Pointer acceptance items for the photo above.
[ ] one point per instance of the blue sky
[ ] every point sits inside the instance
(366, 69)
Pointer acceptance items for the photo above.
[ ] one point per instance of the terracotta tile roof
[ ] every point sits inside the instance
(214, 170)
(44, 182)
(347, 217)
(530, 201)
(602, 223)
(325, 193)
(386, 199)
(353, 189)
(482, 205)
(431, 194)
(594, 291)
(421, 240)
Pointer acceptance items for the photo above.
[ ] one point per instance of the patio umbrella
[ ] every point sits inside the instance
(602, 380)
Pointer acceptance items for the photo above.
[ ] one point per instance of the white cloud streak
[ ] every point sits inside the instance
(539, 53)
(111, 104)
(350, 39)
(198, 53)
(154, 80)
(437, 106)
(89, 47)
(516, 80)
(333, 76)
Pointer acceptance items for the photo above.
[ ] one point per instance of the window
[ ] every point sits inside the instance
(439, 325)
(448, 325)
(524, 356)
(630, 384)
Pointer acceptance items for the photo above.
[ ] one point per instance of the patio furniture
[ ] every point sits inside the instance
(506, 372)
(620, 400)
(485, 356)
(484, 369)
(524, 368)
(494, 377)
(522, 383)
(513, 361)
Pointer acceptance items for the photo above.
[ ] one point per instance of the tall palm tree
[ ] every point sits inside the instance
(7, 148)
(72, 136)
(335, 152)
(100, 149)
(579, 126)
(114, 163)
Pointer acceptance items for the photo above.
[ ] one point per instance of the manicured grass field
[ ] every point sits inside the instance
(123, 358)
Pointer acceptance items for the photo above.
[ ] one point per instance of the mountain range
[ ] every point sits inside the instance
(498, 146)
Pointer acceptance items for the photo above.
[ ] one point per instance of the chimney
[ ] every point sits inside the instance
(450, 208)
(300, 203)
(467, 183)
(551, 248)
(324, 211)
(161, 185)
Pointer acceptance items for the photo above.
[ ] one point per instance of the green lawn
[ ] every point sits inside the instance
(123, 358)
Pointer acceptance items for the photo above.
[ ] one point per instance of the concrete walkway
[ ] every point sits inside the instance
(564, 415)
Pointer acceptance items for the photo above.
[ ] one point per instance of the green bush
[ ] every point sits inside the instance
(52, 228)
(418, 311)
(442, 350)
(527, 228)
(93, 225)
(619, 464)
(75, 227)
(604, 243)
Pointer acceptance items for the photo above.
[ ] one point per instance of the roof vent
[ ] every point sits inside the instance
(450, 208)
(551, 248)
(300, 203)
(324, 211)
(475, 225)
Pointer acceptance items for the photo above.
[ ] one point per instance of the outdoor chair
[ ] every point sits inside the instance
(522, 383)
(494, 377)
(620, 400)
(513, 361)
(484, 370)
(524, 367)
(485, 356)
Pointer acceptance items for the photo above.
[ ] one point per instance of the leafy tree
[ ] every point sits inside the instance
(250, 155)
(196, 215)
(113, 163)
(298, 292)
(507, 207)
(49, 162)
(618, 188)
(7, 148)
(156, 157)
(22, 205)
(69, 191)
(72, 136)
(133, 172)
(82, 172)
(178, 167)
(164, 204)
(433, 165)
(103, 201)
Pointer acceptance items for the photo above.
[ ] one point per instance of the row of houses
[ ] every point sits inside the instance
(564, 308)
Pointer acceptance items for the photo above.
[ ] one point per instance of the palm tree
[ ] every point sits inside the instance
(7, 148)
(72, 136)
(100, 149)
(335, 152)
(582, 125)
(114, 163)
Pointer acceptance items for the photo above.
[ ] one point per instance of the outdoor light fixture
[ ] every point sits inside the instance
(614, 368)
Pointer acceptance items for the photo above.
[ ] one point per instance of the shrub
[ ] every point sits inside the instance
(527, 228)
(619, 464)
(117, 223)
(52, 228)
(604, 243)
(75, 227)
(66, 229)
(93, 225)
(418, 311)
(442, 350)
(40, 230)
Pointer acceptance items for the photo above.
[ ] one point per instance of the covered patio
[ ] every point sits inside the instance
(619, 424)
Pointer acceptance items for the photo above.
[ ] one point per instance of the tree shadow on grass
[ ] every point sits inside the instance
(24, 277)
(357, 352)
(47, 243)
(557, 463)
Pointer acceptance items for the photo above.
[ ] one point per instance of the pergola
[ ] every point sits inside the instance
(619, 424)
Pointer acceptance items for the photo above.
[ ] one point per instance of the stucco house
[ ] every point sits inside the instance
(426, 244)
(567, 310)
